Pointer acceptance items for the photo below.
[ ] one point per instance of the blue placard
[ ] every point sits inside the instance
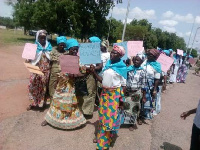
(90, 53)
(124, 44)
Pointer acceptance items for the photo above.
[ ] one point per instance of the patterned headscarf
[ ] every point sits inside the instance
(119, 49)
(95, 39)
(141, 55)
(154, 52)
(61, 39)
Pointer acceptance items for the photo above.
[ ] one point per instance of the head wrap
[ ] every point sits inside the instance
(40, 32)
(119, 49)
(154, 52)
(47, 47)
(171, 50)
(71, 43)
(119, 41)
(141, 55)
(167, 52)
(61, 39)
(95, 39)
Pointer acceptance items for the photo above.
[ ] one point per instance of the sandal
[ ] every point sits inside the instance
(95, 140)
(139, 121)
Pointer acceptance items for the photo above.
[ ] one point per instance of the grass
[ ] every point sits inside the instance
(14, 37)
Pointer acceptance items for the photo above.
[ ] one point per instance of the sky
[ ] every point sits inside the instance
(175, 16)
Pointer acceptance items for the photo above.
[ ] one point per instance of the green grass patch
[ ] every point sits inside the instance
(14, 37)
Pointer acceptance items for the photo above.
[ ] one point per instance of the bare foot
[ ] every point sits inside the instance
(29, 108)
(95, 140)
(44, 123)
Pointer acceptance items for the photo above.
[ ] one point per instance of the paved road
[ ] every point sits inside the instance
(21, 130)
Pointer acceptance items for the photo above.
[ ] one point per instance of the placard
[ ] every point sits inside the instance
(90, 53)
(69, 64)
(29, 51)
(191, 61)
(134, 47)
(165, 62)
(180, 52)
(33, 69)
(123, 44)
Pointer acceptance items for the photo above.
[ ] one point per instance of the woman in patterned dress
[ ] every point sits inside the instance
(64, 112)
(38, 84)
(114, 82)
(135, 92)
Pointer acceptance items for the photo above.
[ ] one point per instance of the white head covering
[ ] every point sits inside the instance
(141, 55)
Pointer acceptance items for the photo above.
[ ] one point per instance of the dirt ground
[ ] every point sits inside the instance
(21, 130)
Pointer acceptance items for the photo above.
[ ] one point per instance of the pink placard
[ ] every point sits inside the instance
(191, 60)
(165, 62)
(29, 51)
(180, 52)
(69, 64)
(134, 47)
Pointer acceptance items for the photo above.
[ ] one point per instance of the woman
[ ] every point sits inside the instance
(38, 84)
(182, 73)
(113, 81)
(64, 112)
(87, 100)
(55, 68)
(152, 75)
(135, 91)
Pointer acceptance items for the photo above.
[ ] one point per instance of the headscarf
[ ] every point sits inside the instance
(156, 65)
(71, 43)
(95, 39)
(40, 49)
(154, 52)
(119, 49)
(47, 47)
(167, 52)
(119, 67)
(61, 39)
(119, 41)
(141, 55)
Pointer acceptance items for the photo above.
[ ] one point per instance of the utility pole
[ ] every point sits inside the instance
(124, 30)
(194, 39)
(110, 23)
(190, 35)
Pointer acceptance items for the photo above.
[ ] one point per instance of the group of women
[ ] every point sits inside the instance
(126, 94)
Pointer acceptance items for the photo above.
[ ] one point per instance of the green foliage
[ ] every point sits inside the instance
(8, 22)
(194, 53)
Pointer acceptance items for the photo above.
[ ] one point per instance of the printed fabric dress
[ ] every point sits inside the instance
(109, 116)
(182, 73)
(64, 112)
(38, 84)
(135, 84)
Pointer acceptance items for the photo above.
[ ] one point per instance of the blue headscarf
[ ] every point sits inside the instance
(156, 65)
(61, 39)
(95, 39)
(47, 47)
(134, 69)
(167, 52)
(119, 67)
(171, 50)
(71, 43)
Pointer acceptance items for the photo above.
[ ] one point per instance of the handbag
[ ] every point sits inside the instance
(81, 87)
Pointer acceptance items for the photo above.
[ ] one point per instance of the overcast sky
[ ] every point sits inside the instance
(170, 15)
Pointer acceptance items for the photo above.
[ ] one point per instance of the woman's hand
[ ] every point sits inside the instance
(184, 115)
(144, 99)
(92, 68)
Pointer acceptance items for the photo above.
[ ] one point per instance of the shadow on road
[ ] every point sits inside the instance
(168, 146)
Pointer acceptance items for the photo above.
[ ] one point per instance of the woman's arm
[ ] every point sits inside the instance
(92, 69)
(184, 115)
